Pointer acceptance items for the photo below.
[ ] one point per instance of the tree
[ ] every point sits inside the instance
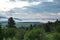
(47, 27)
(1, 34)
(35, 34)
(56, 36)
(31, 27)
(11, 23)
(57, 25)
(20, 34)
(9, 33)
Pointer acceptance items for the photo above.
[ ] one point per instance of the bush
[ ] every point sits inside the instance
(35, 34)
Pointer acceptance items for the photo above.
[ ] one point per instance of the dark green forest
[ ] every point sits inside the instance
(45, 31)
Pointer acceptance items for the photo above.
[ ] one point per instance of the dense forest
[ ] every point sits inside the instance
(45, 31)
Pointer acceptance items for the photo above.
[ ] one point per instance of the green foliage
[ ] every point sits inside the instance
(1, 34)
(31, 27)
(46, 31)
(56, 36)
(49, 36)
(9, 33)
(20, 34)
(35, 34)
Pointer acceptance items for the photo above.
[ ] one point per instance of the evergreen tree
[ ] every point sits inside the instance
(31, 27)
(1, 35)
(47, 27)
(11, 23)
(56, 22)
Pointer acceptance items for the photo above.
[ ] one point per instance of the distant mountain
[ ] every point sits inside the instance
(44, 20)
(25, 24)
(4, 21)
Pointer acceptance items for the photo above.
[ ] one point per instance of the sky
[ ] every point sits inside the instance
(30, 10)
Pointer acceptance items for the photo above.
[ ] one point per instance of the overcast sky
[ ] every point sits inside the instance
(31, 10)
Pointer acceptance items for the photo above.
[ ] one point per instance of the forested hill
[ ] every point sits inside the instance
(35, 31)
(25, 24)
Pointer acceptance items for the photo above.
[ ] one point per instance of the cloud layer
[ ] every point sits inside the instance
(48, 10)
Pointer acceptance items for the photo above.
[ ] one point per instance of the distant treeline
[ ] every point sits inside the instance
(46, 31)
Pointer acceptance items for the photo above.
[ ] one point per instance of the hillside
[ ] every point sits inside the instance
(25, 24)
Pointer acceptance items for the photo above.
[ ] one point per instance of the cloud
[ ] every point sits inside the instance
(6, 5)
(44, 7)
(31, 17)
(28, 0)
(13, 0)
(38, 0)
(27, 14)
(57, 1)
(32, 0)
(45, 10)
(31, 10)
